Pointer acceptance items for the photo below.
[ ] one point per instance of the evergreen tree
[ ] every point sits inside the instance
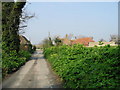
(11, 13)
(6, 9)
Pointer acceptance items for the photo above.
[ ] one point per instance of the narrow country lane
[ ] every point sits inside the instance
(36, 73)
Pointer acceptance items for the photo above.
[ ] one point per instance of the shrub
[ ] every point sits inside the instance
(25, 54)
(86, 67)
(12, 61)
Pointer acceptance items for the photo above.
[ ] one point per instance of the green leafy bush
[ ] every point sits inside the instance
(12, 61)
(25, 54)
(86, 67)
(101, 43)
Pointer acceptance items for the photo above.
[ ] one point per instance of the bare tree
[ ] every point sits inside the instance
(24, 19)
(102, 40)
(115, 38)
(69, 36)
(47, 42)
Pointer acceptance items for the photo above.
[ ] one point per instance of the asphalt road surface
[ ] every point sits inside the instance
(36, 73)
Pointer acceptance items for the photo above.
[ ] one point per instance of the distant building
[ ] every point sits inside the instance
(85, 41)
(24, 43)
(92, 44)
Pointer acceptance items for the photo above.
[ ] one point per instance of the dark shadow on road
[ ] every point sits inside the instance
(36, 58)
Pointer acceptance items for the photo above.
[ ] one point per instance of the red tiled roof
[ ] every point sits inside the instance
(84, 41)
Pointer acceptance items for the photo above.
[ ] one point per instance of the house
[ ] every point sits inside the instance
(85, 41)
(92, 44)
(24, 43)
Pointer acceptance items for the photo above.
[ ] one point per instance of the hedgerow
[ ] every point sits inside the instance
(13, 61)
(12, 56)
(86, 67)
